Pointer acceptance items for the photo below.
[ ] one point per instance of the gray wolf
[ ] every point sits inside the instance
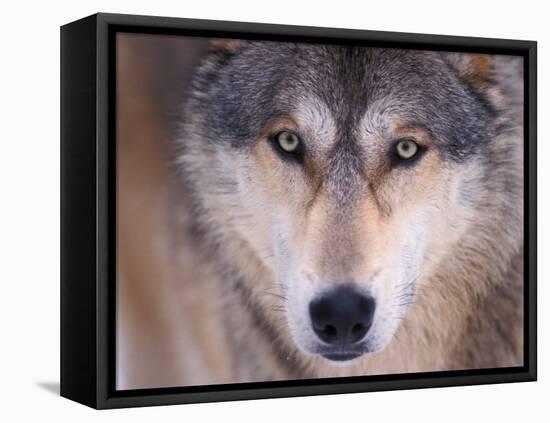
(351, 211)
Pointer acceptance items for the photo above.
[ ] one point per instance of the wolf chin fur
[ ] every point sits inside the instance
(467, 307)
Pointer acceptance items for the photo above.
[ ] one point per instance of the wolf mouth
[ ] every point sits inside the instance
(342, 356)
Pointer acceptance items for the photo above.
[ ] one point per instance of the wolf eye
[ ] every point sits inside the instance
(406, 149)
(288, 141)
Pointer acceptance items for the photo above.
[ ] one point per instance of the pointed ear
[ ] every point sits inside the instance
(224, 45)
(474, 68)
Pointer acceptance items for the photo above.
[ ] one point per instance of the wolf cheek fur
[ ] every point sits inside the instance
(436, 244)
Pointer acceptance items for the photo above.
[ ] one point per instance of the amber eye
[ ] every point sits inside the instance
(288, 142)
(406, 149)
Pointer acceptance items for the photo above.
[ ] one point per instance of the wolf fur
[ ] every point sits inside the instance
(462, 305)
(439, 243)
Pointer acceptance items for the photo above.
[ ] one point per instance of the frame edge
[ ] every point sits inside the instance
(78, 212)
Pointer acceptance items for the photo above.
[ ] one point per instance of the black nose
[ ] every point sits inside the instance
(342, 316)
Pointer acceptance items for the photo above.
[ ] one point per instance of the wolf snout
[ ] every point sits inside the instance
(342, 316)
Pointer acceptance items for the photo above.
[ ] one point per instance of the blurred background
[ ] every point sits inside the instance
(153, 82)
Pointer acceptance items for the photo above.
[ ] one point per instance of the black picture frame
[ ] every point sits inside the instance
(88, 206)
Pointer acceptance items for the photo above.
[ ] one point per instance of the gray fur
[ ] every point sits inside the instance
(238, 91)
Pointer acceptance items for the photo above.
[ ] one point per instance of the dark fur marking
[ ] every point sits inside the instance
(385, 211)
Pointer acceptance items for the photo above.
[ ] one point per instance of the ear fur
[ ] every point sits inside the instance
(474, 68)
(224, 45)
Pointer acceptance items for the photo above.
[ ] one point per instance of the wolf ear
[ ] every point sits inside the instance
(474, 68)
(224, 45)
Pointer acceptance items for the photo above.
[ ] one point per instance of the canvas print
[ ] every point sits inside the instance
(292, 210)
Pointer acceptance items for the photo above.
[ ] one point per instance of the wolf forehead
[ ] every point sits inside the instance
(238, 91)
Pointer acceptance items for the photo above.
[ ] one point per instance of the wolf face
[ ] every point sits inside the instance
(346, 174)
